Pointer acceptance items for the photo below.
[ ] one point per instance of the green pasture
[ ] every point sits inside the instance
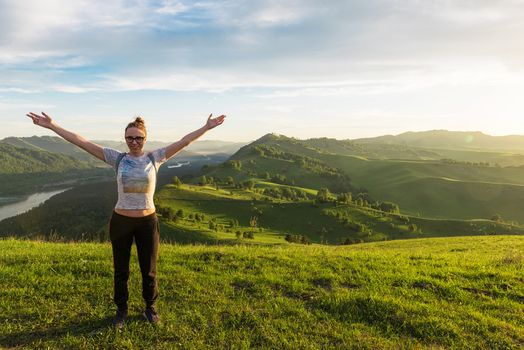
(433, 293)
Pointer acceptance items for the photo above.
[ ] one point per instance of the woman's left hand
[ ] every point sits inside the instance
(213, 122)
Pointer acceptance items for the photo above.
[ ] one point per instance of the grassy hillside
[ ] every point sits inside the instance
(443, 188)
(330, 222)
(431, 293)
(438, 189)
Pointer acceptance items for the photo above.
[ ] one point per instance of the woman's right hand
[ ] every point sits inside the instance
(43, 120)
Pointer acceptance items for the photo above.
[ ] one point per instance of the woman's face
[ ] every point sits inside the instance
(135, 139)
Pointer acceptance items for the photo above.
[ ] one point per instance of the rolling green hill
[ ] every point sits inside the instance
(440, 189)
(446, 293)
(430, 188)
(330, 223)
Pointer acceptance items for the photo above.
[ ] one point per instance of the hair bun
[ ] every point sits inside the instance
(138, 123)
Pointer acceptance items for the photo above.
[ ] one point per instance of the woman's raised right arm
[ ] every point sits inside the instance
(47, 122)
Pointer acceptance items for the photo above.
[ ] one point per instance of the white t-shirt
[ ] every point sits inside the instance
(136, 177)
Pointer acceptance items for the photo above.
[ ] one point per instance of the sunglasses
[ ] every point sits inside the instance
(138, 139)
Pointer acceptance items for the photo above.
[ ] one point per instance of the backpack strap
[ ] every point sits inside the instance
(122, 155)
(118, 160)
(150, 156)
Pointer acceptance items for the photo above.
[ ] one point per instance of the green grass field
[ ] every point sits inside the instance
(465, 293)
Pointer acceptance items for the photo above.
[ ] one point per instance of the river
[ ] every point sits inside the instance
(8, 210)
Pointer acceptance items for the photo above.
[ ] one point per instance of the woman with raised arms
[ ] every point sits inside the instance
(134, 216)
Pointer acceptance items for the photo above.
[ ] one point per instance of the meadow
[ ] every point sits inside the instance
(455, 292)
(332, 223)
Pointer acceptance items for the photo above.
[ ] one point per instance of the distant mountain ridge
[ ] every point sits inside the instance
(450, 139)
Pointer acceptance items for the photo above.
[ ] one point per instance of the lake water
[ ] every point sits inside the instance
(8, 210)
(178, 165)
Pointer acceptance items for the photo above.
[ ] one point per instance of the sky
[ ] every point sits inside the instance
(307, 68)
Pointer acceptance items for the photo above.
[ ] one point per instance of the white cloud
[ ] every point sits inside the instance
(10, 105)
(171, 7)
(72, 89)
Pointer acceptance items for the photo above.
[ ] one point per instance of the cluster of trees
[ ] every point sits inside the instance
(312, 164)
(461, 162)
(362, 199)
(359, 227)
(175, 215)
(217, 182)
(245, 234)
(287, 193)
(275, 178)
(266, 151)
(281, 179)
(355, 225)
(170, 214)
(349, 241)
(233, 164)
(412, 227)
(204, 180)
(297, 239)
(338, 180)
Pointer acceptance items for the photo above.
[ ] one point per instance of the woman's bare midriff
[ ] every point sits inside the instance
(135, 213)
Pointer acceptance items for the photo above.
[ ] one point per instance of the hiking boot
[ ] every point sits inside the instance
(151, 315)
(119, 319)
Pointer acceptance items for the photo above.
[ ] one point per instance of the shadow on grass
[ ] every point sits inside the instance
(87, 328)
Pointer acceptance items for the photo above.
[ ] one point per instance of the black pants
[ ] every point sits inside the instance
(144, 230)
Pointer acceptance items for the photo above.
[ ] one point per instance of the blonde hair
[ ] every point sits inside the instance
(139, 124)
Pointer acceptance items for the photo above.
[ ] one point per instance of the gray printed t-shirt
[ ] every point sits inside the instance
(136, 177)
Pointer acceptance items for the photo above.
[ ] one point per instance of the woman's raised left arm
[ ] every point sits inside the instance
(177, 146)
